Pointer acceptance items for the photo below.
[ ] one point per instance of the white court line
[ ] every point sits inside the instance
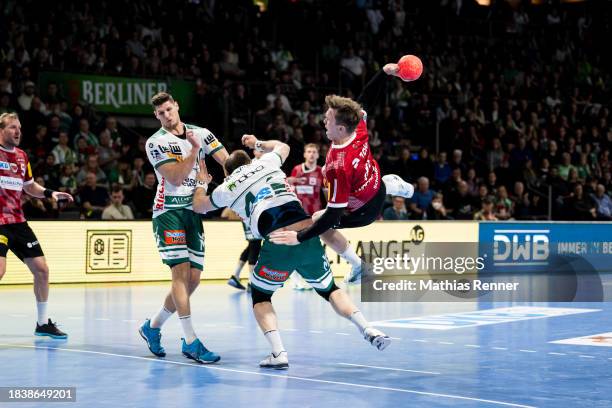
(316, 331)
(103, 319)
(294, 330)
(419, 340)
(343, 334)
(395, 338)
(445, 342)
(314, 380)
(528, 351)
(236, 327)
(75, 317)
(556, 354)
(392, 369)
(585, 356)
(130, 320)
(472, 345)
(500, 348)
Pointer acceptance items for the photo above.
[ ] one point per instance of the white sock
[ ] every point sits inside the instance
(351, 257)
(275, 341)
(238, 269)
(358, 320)
(190, 335)
(160, 318)
(43, 317)
(397, 187)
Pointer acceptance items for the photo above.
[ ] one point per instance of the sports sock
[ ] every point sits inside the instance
(190, 335)
(358, 320)
(160, 318)
(274, 338)
(43, 317)
(351, 257)
(238, 269)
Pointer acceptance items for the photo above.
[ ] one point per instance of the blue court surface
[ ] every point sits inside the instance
(443, 354)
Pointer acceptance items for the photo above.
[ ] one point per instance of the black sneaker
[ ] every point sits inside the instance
(51, 330)
(235, 282)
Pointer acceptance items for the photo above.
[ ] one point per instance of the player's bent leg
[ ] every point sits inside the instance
(268, 323)
(44, 325)
(336, 241)
(344, 306)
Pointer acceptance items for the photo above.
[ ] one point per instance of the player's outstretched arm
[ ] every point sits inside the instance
(36, 190)
(267, 146)
(201, 200)
(371, 92)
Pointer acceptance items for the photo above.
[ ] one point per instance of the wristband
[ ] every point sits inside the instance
(201, 184)
(259, 146)
(48, 193)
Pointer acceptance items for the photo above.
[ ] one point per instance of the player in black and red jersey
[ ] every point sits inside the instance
(356, 189)
(15, 234)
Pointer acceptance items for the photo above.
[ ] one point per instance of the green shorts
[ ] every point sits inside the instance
(277, 262)
(180, 237)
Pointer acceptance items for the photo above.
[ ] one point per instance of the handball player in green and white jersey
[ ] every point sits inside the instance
(175, 152)
(257, 190)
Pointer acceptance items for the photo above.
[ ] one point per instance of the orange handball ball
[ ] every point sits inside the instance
(410, 67)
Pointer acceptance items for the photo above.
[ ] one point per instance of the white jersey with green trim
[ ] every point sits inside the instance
(164, 147)
(254, 188)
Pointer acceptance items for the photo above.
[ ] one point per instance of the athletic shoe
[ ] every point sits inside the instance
(235, 283)
(354, 277)
(376, 338)
(153, 338)
(50, 329)
(196, 351)
(399, 186)
(278, 362)
(298, 283)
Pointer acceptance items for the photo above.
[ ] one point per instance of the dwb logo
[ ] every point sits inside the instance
(521, 247)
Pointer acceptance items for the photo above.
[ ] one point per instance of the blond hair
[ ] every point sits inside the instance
(348, 112)
(5, 117)
(312, 145)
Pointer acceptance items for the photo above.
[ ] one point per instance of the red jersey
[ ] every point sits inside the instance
(309, 192)
(15, 172)
(351, 173)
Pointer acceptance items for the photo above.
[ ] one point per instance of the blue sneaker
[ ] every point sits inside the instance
(196, 351)
(153, 338)
(50, 330)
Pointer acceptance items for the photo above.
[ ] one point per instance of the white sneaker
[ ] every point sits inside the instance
(279, 362)
(354, 277)
(396, 186)
(376, 338)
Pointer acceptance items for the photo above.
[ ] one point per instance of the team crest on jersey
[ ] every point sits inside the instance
(273, 275)
(14, 168)
(175, 237)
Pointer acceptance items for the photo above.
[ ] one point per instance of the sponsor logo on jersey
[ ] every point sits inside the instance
(214, 144)
(231, 186)
(163, 149)
(3, 240)
(179, 200)
(159, 200)
(175, 237)
(312, 181)
(4, 166)
(156, 154)
(11, 183)
(14, 168)
(176, 149)
(273, 275)
(210, 139)
(151, 145)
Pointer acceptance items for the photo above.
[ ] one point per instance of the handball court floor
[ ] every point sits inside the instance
(509, 363)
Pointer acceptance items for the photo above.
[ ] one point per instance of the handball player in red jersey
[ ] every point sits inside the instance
(356, 190)
(15, 234)
(308, 180)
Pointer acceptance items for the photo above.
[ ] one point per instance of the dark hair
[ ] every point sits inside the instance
(117, 189)
(160, 98)
(236, 159)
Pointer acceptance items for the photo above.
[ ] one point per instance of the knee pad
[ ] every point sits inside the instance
(327, 293)
(258, 296)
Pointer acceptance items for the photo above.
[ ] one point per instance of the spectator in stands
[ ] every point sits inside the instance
(579, 206)
(62, 152)
(436, 209)
(397, 211)
(144, 195)
(92, 166)
(86, 134)
(92, 197)
(603, 202)
(442, 170)
(117, 210)
(486, 212)
(421, 199)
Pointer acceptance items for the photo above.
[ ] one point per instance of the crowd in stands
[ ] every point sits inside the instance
(510, 120)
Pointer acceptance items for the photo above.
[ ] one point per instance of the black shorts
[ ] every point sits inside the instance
(20, 239)
(366, 214)
(251, 252)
